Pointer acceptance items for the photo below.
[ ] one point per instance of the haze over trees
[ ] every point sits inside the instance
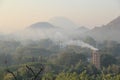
(65, 54)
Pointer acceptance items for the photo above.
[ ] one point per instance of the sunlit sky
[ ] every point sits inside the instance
(18, 14)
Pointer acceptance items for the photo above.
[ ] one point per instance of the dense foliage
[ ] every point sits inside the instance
(69, 63)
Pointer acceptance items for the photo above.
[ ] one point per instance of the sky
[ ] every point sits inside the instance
(18, 14)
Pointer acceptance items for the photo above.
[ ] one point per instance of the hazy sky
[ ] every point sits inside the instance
(18, 14)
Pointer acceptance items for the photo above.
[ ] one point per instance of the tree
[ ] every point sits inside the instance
(70, 59)
(8, 77)
(48, 76)
(67, 76)
(84, 76)
(107, 60)
(90, 41)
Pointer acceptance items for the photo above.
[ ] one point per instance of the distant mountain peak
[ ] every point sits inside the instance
(115, 22)
(41, 25)
(63, 22)
(111, 31)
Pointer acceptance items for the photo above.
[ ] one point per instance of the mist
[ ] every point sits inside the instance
(61, 34)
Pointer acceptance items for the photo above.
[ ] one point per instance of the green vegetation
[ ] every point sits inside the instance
(70, 63)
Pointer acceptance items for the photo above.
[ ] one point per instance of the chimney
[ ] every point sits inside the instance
(96, 59)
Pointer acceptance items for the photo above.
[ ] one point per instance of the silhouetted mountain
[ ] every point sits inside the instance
(41, 25)
(111, 31)
(63, 30)
(115, 23)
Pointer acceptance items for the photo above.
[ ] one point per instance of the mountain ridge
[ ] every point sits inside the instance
(110, 31)
(41, 25)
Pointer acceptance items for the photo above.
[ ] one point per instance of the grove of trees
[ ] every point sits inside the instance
(69, 63)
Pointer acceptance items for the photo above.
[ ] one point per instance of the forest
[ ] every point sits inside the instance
(53, 62)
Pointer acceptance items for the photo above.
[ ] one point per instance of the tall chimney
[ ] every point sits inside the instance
(96, 59)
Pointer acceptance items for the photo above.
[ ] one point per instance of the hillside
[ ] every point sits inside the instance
(111, 31)
(41, 25)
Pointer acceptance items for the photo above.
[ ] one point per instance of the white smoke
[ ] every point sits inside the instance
(57, 35)
(78, 43)
(64, 33)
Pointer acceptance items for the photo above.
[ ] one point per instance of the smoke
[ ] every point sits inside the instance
(65, 35)
(78, 43)
(57, 35)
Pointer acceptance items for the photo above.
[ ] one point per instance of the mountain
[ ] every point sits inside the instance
(39, 31)
(57, 29)
(63, 22)
(65, 32)
(41, 25)
(82, 29)
(68, 27)
(111, 31)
